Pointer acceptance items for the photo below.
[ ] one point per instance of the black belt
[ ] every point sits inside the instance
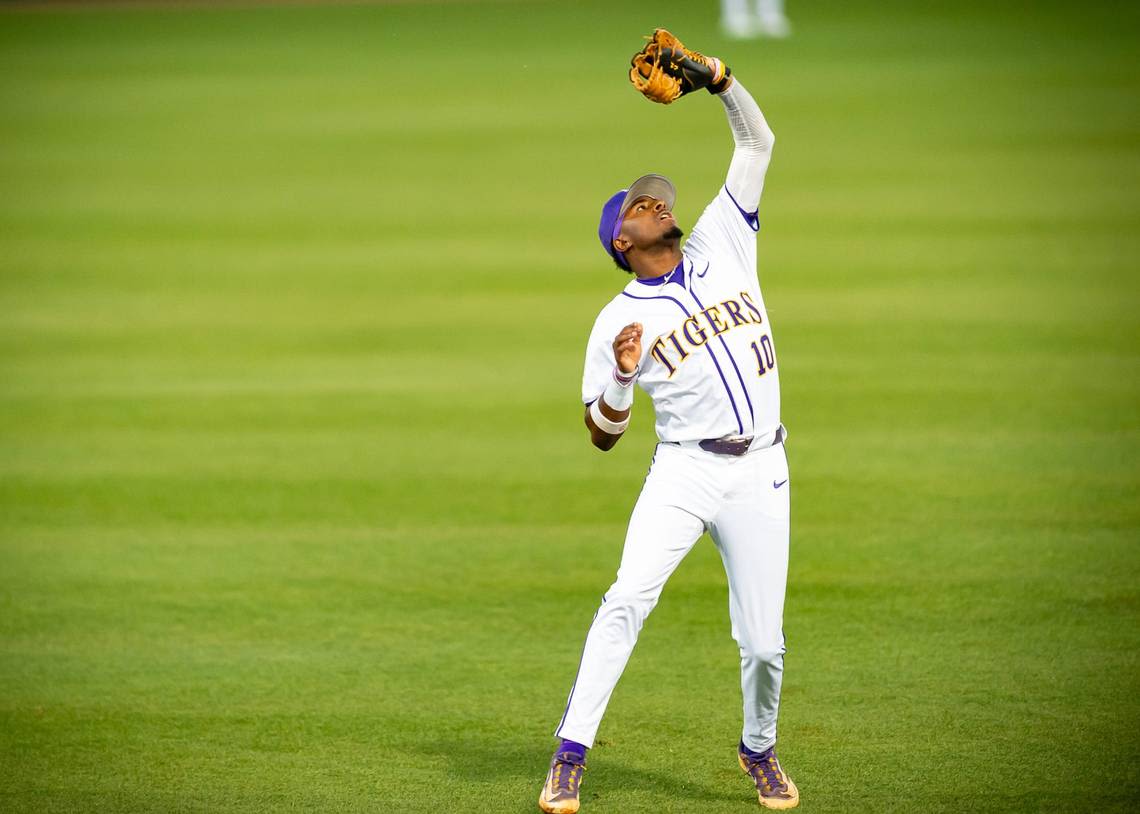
(726, 446)
(734, 446)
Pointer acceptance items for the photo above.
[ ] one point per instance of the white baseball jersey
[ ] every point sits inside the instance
(709, 364)
(708, 358)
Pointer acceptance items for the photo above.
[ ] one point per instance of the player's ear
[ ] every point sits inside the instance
(622, 243)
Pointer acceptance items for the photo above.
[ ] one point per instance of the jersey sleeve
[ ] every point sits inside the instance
(753, 140)
(725, 236)
(599, 364)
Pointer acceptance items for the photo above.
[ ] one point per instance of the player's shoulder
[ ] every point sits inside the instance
(725, 211)
(614, 311)
(618, 303)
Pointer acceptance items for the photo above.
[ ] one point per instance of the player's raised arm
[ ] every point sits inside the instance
(665, 70)
(608, 415)
(754, 140)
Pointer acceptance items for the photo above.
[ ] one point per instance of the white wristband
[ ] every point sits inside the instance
(619, 392)
(604, 424)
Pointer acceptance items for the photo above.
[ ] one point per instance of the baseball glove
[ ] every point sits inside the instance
(665, 70)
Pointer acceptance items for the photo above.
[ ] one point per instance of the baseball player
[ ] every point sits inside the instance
(739, 21)
(692, 331)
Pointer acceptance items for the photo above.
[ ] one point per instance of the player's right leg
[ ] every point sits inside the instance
(736, 21)
(658, 538)
(664, 526)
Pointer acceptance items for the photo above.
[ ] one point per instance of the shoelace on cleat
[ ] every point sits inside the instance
(566, 782)
(766, 771)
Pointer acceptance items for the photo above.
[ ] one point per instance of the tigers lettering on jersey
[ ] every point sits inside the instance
(674, 348)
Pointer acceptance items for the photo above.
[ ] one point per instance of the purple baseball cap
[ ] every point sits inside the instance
(609, 227)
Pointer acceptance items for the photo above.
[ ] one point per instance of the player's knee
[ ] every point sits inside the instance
(627, 607)
(770, 654)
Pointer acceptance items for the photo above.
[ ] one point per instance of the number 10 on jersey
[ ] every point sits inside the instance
(765, 356)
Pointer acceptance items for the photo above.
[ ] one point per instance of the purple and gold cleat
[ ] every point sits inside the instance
(560, 794)
(774, 788)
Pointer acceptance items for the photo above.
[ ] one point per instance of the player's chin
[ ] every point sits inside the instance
(674, 232)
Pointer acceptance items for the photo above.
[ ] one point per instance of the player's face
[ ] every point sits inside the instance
(649, 221)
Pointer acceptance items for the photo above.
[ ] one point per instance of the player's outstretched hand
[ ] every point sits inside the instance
(627, 347)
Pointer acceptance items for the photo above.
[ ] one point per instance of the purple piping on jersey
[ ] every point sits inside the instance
(723, 380)
(731, 358)
(751, 218)
(679, 270)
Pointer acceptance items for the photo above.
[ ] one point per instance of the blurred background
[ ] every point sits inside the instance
(296, 506)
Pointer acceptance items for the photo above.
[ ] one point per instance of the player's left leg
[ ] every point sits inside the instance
(736, 20)
(751, 531)
(771, 20)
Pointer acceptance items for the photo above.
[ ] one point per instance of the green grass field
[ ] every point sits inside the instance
(297, 512)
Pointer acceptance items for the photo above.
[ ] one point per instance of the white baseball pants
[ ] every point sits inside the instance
(743, 502)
